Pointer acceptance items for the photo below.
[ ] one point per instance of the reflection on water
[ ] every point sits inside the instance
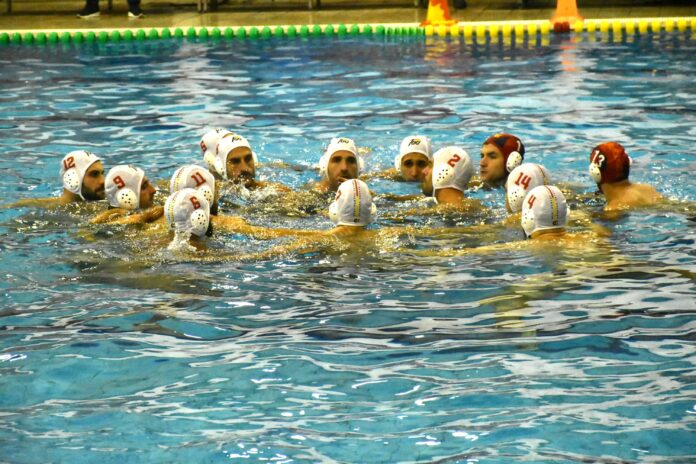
(113, 349)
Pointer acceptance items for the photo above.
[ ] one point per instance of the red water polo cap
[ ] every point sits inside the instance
(612, 160)
(506, 143)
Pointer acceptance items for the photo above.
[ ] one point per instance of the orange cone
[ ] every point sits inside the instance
(438, 14)
(566, 12)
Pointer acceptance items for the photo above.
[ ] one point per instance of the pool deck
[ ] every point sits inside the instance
(54, 15)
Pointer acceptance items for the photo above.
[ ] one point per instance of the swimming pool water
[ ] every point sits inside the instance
(380, 357)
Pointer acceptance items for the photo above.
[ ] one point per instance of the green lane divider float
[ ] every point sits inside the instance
(479, 31)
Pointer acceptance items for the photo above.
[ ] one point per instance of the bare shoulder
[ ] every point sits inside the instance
(389, 174)
(37, 203)
(635, 195)
(648, 192)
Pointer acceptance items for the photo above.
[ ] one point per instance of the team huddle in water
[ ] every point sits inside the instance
(191, 210)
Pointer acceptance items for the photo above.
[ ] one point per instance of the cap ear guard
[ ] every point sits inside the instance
(199, 222)
(514, 159)
(595, 173)
(528, 222)
(207, 193)
(597, 161)
(220, 167)
(333, 212)
(209, 160)
(442, 173)
(71, 181)
(323, 165)
(127, 199)
(373, 212)
(255, 157)
(515, 195)
(397, 162)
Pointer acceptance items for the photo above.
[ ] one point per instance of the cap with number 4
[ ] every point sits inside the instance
(544, 208)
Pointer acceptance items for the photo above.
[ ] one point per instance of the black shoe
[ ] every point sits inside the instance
(134, 11)
(89, 11)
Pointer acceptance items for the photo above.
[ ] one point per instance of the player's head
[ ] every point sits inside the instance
(521, 180)
(235, 160)
(128, 188)
(197, 178)
(188, 212)
(415, 153)
(500, 154)
(352, 205)
(609, 163)
(340, 162)
(544, 208)
(452, 168)
(82, 173)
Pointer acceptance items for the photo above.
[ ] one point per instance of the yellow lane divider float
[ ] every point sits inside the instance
(566, 19)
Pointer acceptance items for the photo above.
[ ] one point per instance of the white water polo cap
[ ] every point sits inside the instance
(352, 205)
(122, 186)
(543, 208)
(413, 144)
(339, 144)
(73, 168)
(187, 211)
(209, 144)
(227, 143)
(452, 168)
(195, 177)
(521, 180)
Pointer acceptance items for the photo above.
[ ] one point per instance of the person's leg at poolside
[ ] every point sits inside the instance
(91, 9)
(134, 10)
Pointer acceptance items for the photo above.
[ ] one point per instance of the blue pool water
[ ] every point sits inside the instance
(385, 357)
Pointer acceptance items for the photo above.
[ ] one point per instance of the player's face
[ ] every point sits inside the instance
(412, 166)
(343, 165)
(147, 193)
(492, 164)
(240, 165)
(93, 183)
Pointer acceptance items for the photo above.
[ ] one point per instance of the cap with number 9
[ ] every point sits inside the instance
(122, 185)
